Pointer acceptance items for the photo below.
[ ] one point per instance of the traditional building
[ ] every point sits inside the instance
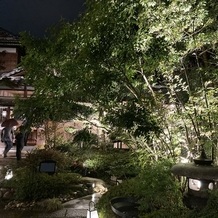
(11, 76)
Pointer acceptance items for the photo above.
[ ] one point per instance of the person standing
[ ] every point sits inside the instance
(7, 136)
(21, 139)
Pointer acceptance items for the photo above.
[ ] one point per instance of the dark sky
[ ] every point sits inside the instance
(35, 16)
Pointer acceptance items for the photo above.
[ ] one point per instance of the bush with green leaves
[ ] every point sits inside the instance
(124, 189)
(66, 148)
(156, 190)
(113, 162)
(210, 210)
(161, 195)
(30, 184)
(34, 157)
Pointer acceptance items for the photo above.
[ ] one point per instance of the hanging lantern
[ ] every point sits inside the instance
(92, 211)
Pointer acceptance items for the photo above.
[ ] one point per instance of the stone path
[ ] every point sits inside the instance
(76, 208)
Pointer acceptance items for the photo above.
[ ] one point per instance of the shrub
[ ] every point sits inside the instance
(159, 187)
(30, 184)
(124, 189)
(156, 190)
(103, 164)
(210, 210)
(50, 204)
(34, 157)
(65, 148)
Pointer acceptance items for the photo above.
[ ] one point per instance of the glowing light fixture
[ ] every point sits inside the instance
(194, 184)
(9, 175)
(4, 113)
(92, 211)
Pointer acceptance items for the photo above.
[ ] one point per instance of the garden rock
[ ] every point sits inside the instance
(6, 193)
(99, 185)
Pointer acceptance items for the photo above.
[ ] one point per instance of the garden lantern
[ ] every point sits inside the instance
(92, 211)
(201, 177)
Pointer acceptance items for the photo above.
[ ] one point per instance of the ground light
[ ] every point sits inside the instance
(9, 175)
(92, 211)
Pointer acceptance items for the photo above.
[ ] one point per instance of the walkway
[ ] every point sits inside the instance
(76, 208)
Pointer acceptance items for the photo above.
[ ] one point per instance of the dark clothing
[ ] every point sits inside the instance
(20, 142)
(7, 136)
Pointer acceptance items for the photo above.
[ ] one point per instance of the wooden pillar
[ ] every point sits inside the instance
(8, 113)
(25, 91)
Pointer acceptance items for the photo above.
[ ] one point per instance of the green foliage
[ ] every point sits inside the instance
(51, 204)
(34, 157)
(159, 55)
(113, 162)
(39, 109)
(121, 164)
(30, 184)
(160, 187)
(156, 190)
(210, 210)
(164, 53)
(126, 188)
(86, 137)
(56, 93)
(65, 148)
(132, 118)
(33, 186)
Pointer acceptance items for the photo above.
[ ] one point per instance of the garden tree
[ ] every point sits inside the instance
(161, 55)
(142, 62)
(84, 137)
(50, 70)
(57, 75)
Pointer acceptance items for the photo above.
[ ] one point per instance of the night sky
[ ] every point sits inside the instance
(35, 16)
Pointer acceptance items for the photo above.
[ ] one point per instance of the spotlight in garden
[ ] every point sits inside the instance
(92, 211)
(9, 175)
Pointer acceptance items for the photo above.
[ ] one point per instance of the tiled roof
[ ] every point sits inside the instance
(8, 39)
